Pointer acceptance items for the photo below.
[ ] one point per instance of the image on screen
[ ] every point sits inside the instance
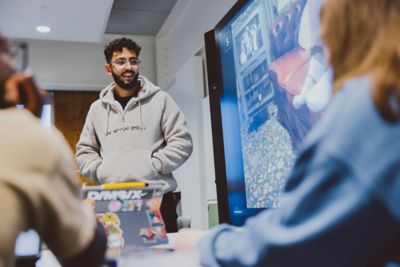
(275, 85)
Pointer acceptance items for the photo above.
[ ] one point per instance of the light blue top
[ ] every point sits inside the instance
(341, 205)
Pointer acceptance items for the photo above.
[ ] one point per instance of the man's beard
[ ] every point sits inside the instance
(126, 86)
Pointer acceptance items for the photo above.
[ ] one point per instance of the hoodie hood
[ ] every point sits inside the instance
(107, 97)
(147, 89)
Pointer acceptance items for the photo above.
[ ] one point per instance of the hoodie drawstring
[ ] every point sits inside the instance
(140, 114)
(108, 118)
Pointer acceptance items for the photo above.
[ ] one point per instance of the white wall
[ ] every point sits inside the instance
(208, 155)
(183, 32)
(186, 90)
(77, 66)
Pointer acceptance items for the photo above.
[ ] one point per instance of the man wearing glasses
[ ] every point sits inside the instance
(134, 131)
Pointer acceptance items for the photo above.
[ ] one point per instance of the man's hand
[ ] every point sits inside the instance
(188, 238)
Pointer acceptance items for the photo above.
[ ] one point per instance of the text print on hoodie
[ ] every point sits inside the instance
(146, 141)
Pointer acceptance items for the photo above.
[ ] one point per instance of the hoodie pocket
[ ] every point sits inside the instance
(134, 165)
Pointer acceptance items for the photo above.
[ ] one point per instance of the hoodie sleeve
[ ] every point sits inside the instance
(88, 150)
(178, 140)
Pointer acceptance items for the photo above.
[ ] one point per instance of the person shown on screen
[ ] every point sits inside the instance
(134, 131)
(341, 202)
(316, 90)
(38, 184)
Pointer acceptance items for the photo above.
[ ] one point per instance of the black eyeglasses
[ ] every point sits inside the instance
(121, 62)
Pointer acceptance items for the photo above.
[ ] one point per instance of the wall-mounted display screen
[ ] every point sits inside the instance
(272, 85)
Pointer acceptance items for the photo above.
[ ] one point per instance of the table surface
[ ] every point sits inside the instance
(161, 256)
(187, 258)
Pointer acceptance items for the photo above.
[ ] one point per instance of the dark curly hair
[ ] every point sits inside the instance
(118, 45)
(5, 70)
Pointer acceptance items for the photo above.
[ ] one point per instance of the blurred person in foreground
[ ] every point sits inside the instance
(38, 184)
(341, 205)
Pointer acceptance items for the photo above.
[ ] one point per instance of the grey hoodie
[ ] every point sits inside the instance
(144, 142)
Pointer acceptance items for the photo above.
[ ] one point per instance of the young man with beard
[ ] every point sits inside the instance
(134, 131)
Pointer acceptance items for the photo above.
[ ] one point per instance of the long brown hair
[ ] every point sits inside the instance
(362, 37)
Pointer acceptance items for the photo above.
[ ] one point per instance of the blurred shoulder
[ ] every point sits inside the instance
(24, 136)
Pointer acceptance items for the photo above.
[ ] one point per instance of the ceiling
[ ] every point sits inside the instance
(138, 17)
(88, 23)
